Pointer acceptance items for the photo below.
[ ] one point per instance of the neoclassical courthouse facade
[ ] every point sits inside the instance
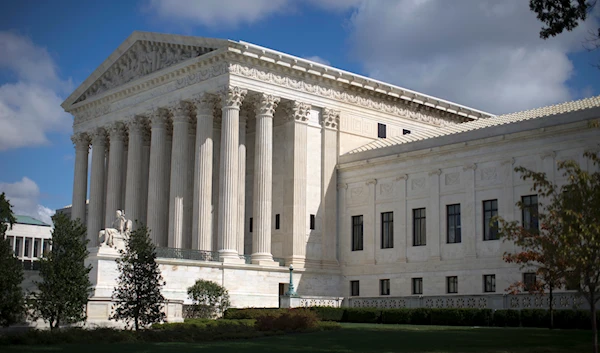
(242, 160)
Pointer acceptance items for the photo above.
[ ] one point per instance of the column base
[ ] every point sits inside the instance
(233, 260)
(266, 263)
(228, 254)
(296, 261)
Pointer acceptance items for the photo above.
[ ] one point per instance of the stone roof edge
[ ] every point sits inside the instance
(549, 121)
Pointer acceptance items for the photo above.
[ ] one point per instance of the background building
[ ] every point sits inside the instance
(30, 239)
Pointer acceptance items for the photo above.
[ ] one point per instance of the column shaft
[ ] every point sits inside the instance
(178, 178)
(157, 203)
(134, 185)
(263, 179)
(96, 204)
(329, 152)
(145, 175)
(189, 200)
(203, 174)
(82, 147)
(228, 182)
(115, 172)
(241, 210)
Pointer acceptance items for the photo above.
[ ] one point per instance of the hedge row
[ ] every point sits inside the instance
(580, 319)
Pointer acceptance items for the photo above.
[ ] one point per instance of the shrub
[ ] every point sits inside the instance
(363, 315)
(291, 320)
(327, 313)
(504, 318)
(535, 318)
(251, 313)
(396, 316)
(421, 316)
(209, 299)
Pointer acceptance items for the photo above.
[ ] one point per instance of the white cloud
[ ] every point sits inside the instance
(486, 53)
(24, 196)
(318, 59)
(30, 106)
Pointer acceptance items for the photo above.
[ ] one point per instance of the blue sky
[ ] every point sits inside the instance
(481, 53)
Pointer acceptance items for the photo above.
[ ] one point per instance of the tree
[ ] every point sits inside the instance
(65, 287)
(572, 220)
(561, 15)
(538, 248)
(138, 293)
(11, 271)
(210, 299)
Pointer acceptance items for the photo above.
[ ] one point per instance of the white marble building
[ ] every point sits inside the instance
(255, 159)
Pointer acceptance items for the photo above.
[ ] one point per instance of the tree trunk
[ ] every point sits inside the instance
(551, 309)
(136, 323)
(594, 326)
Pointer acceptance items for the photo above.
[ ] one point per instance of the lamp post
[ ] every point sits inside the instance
(291, 292)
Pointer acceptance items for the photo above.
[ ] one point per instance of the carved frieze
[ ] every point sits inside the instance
(488, 173)
(408, 110)
(452, 179)
(386, 190)
(141, 59)
(358, 195)
(417, 184)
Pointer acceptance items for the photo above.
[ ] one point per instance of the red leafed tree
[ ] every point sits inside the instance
(567, 245)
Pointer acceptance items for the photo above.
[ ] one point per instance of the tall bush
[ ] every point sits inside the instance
(209, 299)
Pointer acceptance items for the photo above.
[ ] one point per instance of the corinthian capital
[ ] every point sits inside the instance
(136, 125)
(297, 111)
(159, 118)
(232, 96)
(81, 140)
(116, 131)
(180, 111)
(330, 118)
(266, 104)
(98, 136)
(205, 103)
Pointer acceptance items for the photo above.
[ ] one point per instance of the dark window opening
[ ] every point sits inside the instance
(381, 130)
(384, 287)
(530, 212)
(357, 233)
(405, 132)
(452, 284)
(417, 286)
(354, 289)
(312, 221)
(277, 221)
(490, 229)
(453, 223)
(419, 224)
(250, 225)
(489, 283)
(387, 230)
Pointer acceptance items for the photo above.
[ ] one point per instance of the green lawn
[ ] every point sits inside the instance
(367, 338)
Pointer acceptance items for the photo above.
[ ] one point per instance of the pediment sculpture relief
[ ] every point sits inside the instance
(141, 59)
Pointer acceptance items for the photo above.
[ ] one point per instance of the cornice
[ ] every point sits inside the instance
(309, 83)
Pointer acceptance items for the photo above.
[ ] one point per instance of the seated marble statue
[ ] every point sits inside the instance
(120, 230)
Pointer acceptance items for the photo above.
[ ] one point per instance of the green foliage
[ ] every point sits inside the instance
(65, 287)
(209, 299)
(290, 320)
(421, 316)
(535, 318)
(11, 271)
(397, 316)
(506, 318)
(137, 294)
(560, 15)
(251, 313)
(327, 313)
(366, 315)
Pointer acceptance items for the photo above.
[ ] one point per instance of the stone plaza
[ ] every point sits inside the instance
(242, 161)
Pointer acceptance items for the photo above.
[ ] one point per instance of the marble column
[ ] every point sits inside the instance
(263, 179)
(330, 120)
(231, 100)
(115, 172)
(145, 172)
(294, 189)
(82, 147)
(179, 176)
(203, 173)
(435, 234)
(241, 210)
(191, 168)
(157, 203)
(95, 219)
(134, 185)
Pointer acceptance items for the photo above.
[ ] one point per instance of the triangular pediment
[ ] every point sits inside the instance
(141, 54)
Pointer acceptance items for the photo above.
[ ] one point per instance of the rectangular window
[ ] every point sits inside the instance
(405, 132)
(354, 289)
(530, 212)
(46, 247)
(387, 230)
(357, 233)
(250, 225)
(529, 280)
(419, 224)
(452, 284)
(490, 210)
(417, 286)
(277, 221)
(27, 249)
(312, 221)
(384, 287)
(381, 131)
(453, 223)
(17, 246)
(489, 283)
(35, 247)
